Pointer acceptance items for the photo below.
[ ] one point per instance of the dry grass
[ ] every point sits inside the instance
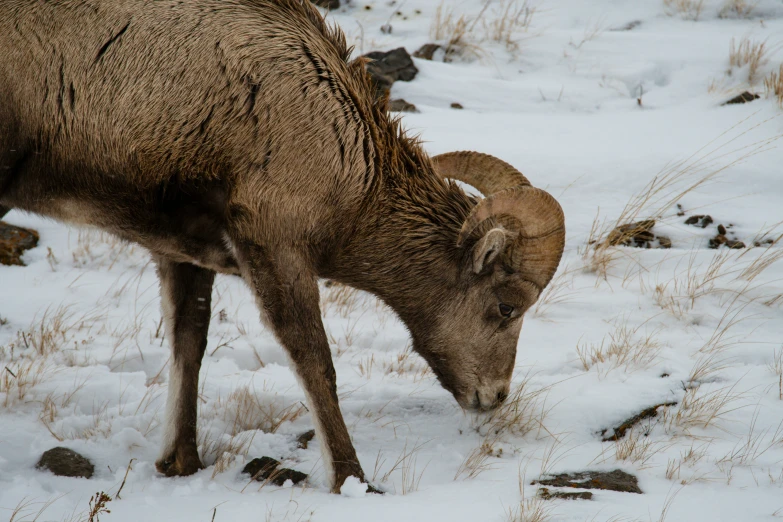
(773, 85)
(523, 412)
(638, 447)
(478, 460)
(627, 348)
(559, 290)
(752, 54)
(687, 9)
(244, 410)
(339, 299)
(406, 465)
(737, 9)
(499, 21)
(668, 187)
(699, 410)
(530, 509)
(776, 367)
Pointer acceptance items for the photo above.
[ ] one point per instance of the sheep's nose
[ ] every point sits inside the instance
(490, 396)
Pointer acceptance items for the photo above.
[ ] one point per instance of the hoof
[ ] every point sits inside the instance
(177, 465)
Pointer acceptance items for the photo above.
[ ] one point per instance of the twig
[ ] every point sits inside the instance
(127, 470)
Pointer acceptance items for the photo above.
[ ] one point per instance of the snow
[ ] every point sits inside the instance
(353, 488)
(562, 107)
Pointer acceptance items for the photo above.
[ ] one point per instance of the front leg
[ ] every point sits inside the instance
(287, 294)
(186, 292)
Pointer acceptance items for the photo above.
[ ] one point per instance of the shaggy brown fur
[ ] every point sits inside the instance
(234, 136)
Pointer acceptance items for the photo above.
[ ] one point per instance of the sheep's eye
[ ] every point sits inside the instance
(506, 310)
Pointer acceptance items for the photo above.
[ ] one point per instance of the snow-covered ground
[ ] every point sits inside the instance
(620, 330)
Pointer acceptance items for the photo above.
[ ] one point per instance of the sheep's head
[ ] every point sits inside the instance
(510, 246)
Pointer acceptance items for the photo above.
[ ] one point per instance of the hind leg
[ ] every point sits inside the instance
(186, 292)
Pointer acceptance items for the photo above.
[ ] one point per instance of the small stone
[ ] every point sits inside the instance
(401, 105)
(456, 105)
(717, 241)
(304, 439)
(267, 469)
(546, 494)
(426, 51)
(734, 244)
(699, 220)
(65, 462)
(745, 97)
(664, 242)
(721, 230)
(616, 480)
(14, 241)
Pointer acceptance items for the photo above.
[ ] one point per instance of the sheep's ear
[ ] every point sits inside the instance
(487, 248)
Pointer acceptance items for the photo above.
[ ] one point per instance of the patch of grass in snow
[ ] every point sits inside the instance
(529, 509)
(666, 188)
(500, 21)
(687, 9)
(628, 348)
(748, 53)
(737, 9)
(773, 85)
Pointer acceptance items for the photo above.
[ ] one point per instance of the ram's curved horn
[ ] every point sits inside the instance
(536, 217)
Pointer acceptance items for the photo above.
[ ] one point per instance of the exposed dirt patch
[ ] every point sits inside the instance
(745, 97)
(65, 462)
(546, 494)
(14, 241)
(616, 480)
(638, 235)
(267, 469)
(619, 431)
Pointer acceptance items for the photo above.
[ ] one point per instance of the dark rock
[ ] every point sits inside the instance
(680, 210)
(745, 97)
(700, 220)
(731, 243)
(664, 242)
(401, 105)
(304, 439)
(721, 230)
(768, 241)
(556, 495)
(456, 105)
(14, 241)
(387, 68)
(267, 469)
(327, 4)
(66, 463)
(648, 413)
(616, 480)
(426, 51)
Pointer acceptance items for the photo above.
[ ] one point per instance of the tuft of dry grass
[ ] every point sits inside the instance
(752, 54)
(776, 367)
(530, 509)
(499, 21)
(407, 466)
(737, 9)
(773, 85)
(627, 348)
(687, 9)
(523, 411)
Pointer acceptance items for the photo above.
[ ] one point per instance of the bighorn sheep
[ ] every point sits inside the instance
(236, 137)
